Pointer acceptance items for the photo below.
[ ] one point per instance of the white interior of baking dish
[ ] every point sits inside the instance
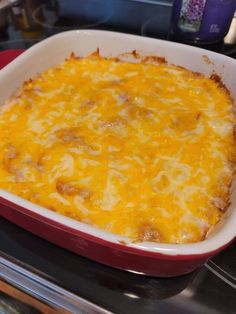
(82, 42)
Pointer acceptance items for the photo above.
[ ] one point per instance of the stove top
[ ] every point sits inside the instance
(26, 22)
(70, 282)
(60, 276)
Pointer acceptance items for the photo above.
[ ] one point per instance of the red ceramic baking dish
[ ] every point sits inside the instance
(156, 259)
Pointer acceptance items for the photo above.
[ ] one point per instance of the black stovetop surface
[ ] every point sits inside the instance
(202, 291)
(212, 289)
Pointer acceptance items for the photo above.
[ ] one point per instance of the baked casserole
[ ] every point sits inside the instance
(142, 149)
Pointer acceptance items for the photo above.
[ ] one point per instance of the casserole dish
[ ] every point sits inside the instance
(156, 259)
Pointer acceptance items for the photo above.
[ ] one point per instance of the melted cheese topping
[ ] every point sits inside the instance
(143, 150)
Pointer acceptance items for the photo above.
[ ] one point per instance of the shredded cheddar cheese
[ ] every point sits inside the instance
(144, 150)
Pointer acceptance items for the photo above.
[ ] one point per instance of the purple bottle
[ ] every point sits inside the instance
(202, 21)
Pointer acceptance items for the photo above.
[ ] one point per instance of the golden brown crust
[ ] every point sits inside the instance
(154, 59)
(216, 78)
(207, 60)
(73, 137)
(96, 53)
(147, 232)
(122, 242)
(70, 189)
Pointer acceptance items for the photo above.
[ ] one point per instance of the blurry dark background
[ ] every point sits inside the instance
(24, 22)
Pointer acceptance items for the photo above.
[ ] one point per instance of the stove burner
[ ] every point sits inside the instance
(86, 14)
(157, 26)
